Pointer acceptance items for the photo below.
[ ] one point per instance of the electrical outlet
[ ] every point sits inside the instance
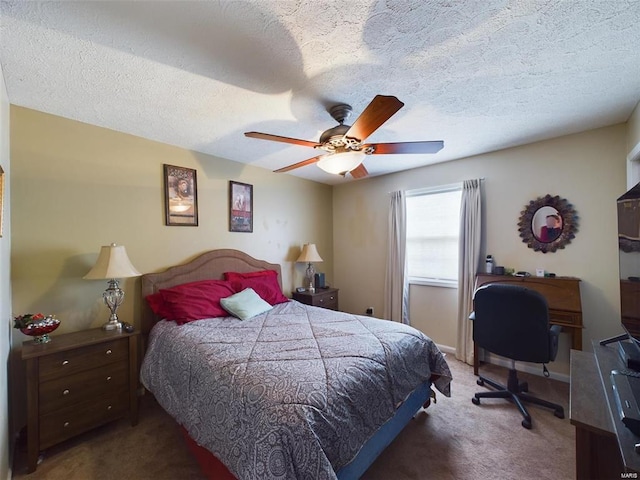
(370, 311)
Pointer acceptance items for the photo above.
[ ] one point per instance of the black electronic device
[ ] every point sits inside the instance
(626, 391)
(319, 280)
(127, 327)
(629, 354)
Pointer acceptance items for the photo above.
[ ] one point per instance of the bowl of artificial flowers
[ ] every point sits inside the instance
(36, 325)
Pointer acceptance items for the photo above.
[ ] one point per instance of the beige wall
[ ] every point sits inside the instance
(588, 169)
(5, 285)
(77, 187)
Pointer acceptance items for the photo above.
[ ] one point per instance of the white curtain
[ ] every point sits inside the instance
(396, 287)
(469, 261)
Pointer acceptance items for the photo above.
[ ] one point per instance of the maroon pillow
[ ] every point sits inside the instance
(264, 282)
(259, 273)
(156, 302)
(192, 301)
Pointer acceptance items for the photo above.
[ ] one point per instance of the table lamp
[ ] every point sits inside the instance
(112, 263)
(309, 254)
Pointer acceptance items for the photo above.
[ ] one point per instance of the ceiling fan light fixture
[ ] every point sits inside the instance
(339, 163)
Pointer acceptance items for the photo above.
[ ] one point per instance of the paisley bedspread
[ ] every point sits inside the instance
(292, 393)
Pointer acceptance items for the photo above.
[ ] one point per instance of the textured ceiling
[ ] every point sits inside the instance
(481, 75)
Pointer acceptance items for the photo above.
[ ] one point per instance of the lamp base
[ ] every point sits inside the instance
(112, 325)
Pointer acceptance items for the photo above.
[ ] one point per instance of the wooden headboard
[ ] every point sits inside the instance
(208, 266)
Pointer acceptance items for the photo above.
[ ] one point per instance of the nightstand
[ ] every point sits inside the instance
(323, 297)
(77, 382)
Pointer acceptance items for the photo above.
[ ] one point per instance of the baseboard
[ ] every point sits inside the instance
(446, 349)
(532, 368)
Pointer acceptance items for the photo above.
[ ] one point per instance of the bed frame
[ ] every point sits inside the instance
(211, 266)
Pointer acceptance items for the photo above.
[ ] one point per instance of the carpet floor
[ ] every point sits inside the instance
(452, 439)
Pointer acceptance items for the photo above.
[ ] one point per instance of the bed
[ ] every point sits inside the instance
(290, 393)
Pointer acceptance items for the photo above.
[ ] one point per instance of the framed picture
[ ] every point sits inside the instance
(240, 207)
(180, 196)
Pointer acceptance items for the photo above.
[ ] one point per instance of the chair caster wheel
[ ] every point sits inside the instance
(526, 424)
(559, 413)
(480, 382)
(476, 401)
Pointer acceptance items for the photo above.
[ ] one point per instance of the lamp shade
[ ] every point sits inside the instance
(112, 262)
(309, 253)
(341, 162)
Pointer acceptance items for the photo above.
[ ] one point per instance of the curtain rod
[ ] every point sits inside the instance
(437, 187)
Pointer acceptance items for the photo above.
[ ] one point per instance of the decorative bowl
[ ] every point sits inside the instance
(41, 329)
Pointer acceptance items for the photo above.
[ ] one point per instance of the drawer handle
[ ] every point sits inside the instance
(66, 424)
(321, 300)
(109, 352)
(66, 392)
(109, 407)
(108, 378)
(66, 362)
(331, 298)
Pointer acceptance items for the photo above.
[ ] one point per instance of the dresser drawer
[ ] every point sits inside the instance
(68, 422)
(85, 358)
(327, 300)
(71, 389)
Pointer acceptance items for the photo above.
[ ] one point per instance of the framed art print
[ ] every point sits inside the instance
(180, 196)
(240, 207)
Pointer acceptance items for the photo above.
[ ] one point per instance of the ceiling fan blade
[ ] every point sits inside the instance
(359, 172)
(377, 112)
(278, 138)
(406, 147)
(303, 163)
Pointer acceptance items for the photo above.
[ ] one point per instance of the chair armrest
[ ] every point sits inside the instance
(554, 334)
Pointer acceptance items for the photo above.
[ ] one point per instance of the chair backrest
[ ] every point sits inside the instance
(512, 321)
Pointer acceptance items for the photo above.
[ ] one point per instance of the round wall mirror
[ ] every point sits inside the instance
(548, 223)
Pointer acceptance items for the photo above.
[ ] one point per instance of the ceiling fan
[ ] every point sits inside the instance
(344, 145)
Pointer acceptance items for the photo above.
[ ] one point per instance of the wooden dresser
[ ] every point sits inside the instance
(323, 297)
(563, 297)
(77, 382)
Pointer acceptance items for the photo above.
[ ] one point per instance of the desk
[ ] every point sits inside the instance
(604, 446)
(563, 298)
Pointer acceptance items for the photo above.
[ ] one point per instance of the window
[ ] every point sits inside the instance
(433, 228)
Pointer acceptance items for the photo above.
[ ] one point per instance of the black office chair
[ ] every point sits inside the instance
(513, 322)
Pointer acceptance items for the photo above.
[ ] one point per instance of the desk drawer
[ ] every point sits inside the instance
(565, 318)
(71, 389)
(68, 422)
(85, 358)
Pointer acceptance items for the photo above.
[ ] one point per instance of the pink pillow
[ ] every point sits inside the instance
(263, 282)
(192, 301)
